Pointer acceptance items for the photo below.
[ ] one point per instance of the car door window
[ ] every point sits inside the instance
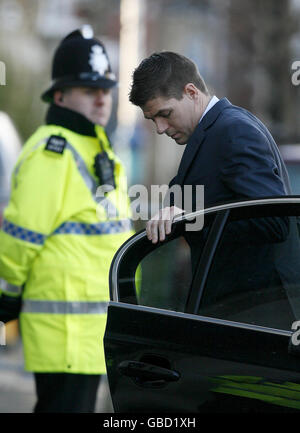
(159, 275)
(255, 274)
(164, 276)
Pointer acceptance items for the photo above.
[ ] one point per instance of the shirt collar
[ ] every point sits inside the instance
(211, 103)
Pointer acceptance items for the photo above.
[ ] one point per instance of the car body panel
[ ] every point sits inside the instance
(255, 367)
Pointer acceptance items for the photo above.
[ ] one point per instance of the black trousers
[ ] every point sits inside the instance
(66, 392)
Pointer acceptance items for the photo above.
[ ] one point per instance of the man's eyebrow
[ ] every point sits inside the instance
(159, 113)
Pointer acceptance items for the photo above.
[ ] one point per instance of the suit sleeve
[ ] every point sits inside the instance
(248, 166)
(250, 171)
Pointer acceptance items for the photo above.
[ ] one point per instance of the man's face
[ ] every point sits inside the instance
(176, 118)
(94, 104)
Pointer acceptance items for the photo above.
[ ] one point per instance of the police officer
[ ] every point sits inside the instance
(67, 216)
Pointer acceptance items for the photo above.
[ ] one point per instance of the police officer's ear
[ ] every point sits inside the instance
(58, 97)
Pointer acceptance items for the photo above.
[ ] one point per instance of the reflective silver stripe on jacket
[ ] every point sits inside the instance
(7, 287)
(63, 307)
(87, 177)
(102, 228)
(110, 209)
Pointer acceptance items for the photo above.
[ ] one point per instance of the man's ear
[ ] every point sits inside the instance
(58, 98)
(191, 91)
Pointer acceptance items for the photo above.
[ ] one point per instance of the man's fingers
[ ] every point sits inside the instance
(152, 231)
(149, 229)
(168, 226)
(162, 230)
(169, 219)
(161, 224)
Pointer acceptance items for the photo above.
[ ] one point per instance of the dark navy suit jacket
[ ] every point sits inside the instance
(234, 156)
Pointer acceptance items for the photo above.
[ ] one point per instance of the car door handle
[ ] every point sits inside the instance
(147, 372)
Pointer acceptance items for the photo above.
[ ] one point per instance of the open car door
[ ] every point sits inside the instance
(206, 321)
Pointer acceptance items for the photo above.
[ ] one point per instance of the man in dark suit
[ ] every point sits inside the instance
(231, 153)
(228, 150)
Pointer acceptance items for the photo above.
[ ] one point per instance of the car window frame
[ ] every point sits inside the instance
(222, 214)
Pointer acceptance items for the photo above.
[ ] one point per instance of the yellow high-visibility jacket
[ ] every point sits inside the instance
(57, 242)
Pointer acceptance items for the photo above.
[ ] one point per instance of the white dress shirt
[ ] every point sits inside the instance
(211, 103)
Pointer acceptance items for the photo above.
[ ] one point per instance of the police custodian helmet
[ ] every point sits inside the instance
(80, 61)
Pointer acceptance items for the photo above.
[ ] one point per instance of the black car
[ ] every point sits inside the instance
(208, 321)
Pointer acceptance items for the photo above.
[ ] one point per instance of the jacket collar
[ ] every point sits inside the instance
(196, 139)
(212, 115)
(70, 119)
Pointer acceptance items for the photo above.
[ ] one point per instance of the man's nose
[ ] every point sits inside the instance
(161, 125)
(99, 96)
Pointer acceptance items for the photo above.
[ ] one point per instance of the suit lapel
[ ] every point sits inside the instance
(195, 141)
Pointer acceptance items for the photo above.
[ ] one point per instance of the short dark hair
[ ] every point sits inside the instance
(164, 74)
